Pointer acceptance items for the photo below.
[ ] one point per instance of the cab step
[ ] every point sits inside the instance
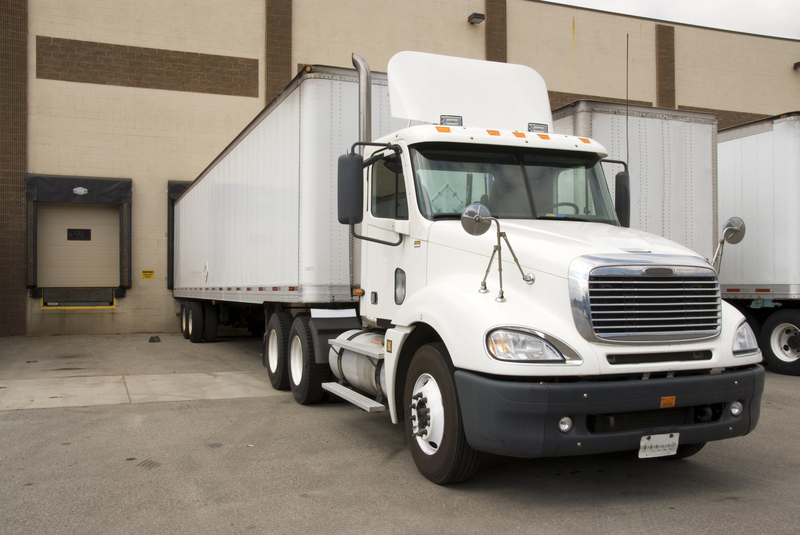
(351, 396)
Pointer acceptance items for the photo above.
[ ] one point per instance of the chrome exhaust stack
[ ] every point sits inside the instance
(364, 99)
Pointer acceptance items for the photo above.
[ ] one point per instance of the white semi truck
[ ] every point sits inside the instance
(466, 271)
(759, 179)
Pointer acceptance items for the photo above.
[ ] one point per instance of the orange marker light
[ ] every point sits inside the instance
(519, 134)
(587, 141)
(493, 132)
(443, 129)
(543, 136)
(358, 292)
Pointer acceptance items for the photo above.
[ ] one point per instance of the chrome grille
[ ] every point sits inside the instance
(635, 305)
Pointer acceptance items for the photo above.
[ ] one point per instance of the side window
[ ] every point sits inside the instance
(388, 192)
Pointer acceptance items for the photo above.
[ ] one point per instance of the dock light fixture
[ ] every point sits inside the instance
(477, 18)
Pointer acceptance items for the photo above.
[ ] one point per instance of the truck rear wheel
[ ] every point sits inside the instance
(195, 321)
(434, 431)
(276, 349)
(184, 321)
(305, 375)
(780, 342)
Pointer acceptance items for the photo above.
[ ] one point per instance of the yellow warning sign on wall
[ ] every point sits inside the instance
(148, 274)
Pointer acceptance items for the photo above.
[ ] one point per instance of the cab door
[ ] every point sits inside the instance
(385, 268)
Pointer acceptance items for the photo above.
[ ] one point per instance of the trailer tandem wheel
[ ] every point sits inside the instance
(184, 321)
(195, 321)
(210, 321)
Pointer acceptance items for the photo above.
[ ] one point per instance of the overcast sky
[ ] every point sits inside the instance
(779, 18)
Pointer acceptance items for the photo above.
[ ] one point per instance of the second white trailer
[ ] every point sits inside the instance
(671, 156)
(759, 177)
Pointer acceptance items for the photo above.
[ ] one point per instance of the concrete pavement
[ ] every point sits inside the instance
(267, 465)
(53, 371)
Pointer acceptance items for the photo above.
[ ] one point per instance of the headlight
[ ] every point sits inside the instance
(521, 347)
(744, 342)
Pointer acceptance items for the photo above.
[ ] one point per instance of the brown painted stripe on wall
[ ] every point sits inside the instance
(89, 62)
(13, 163)
(279, 46)
(496, 31)
(665, 66)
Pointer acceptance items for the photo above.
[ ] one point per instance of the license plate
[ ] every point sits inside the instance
(658, 445)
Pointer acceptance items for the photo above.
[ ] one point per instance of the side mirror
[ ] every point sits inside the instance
(733, 233)
(476, 219)
(734, 230)
(622, 198)
(351, 189)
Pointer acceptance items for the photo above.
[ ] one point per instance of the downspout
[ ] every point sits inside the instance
(364, 99)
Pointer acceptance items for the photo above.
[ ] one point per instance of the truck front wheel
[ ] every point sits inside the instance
(434, 431)
(780, 342)
(305, 375)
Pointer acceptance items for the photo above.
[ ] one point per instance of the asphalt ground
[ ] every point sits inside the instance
(113, 434)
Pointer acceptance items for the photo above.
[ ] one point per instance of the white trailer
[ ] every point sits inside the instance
(671, 157)
(561, 332)
(759, 179)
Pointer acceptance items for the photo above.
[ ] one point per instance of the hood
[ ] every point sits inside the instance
(550, 246)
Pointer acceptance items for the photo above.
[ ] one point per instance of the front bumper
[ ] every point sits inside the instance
(520, 419)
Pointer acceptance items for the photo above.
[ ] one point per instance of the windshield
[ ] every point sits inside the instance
(513, 184)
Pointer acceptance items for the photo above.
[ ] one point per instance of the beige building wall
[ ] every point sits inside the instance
(148, 135)
(161, 124)
(328, 33)
(729, 71)
(583, 52)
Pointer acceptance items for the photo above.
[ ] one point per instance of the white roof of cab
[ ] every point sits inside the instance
(481, 136)
(505, 96)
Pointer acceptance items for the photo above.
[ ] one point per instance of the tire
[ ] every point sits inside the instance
(685, 450)
(305, 375)
(194, 321)
(780, 342)
(210, 321)
(184, 321)
(276, 350)
(439, 446)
